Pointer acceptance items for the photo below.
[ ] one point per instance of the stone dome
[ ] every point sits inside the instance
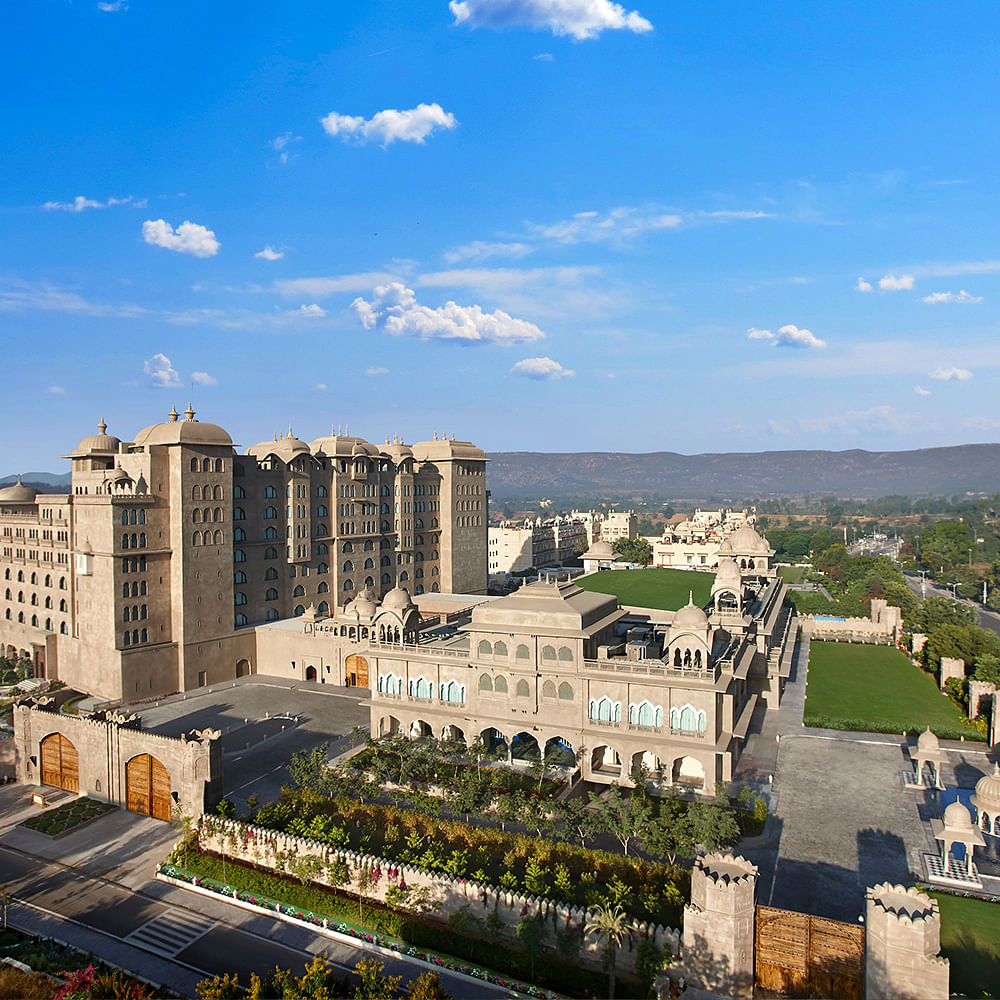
(398, 599)
(101, 441)
(928, 741)
(987, 795)
(118, 475)
(957, 817)
(599, 550)
(18, 493)
(187, 431)
(728, 575)
(744, 542)
(690, 617)
(285, 448)
(363, 605)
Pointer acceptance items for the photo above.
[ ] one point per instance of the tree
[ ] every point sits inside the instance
(374, 984)
(578, 817)
(613, 926)
(428, 987)
(634, 550)
(988, 668)
(6, 899)
(531, 932)
(308, 767)
(625, 818)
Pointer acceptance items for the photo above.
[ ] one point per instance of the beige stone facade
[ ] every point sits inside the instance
(143, 579)
(695, 541)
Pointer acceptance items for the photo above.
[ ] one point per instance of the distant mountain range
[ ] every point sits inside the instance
(731, 476)
(735, 476)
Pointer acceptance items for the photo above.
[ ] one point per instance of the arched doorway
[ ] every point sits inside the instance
(60, 763)
(559, 752)
(688, 773)
(356, 668)
(242, 668)
(606, 760)
(420, 730)
(388, 726)
(524, 746)
(453, 734)
(310, 673)
(494, 743)
(147, 787)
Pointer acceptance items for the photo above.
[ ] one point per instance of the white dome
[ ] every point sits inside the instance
(957, 817)
(690, 617)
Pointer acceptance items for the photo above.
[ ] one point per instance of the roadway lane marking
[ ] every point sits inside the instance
(169, 933)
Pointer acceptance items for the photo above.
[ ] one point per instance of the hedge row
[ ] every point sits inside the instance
(815, 721)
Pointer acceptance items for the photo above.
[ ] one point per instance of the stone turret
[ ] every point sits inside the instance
(902, 941)
(717, 952)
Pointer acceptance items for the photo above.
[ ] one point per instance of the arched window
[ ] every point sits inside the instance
(548, 653)
(125, 516)
(386, 579)
(239, 577)
(270, 492)
(566, 654)
(239, 514)
(239, 535)
(194, 465)
(348, 566)
(239, 556)
(369, 563)
(418, 574)
(485, 647)
(270, 532)
(369, 581)
(324, 608)
(270, 513)
(486, 683)
(299, 610)
(270, 552)
(239, 493)
(500, 684)
(271, 595)
(322, 549)
(240, 619)
(522, 690)
(271, 615)
(240, 597)
(299, 591)
(348, 548)
(348, 585)
(270, 573)
(126, 637)
(321, 511)
(522, 652)
(369, 546)
(500, 649)
(548, 689)
(62, 606)
(565, 691)
(386, 561)
(321, 491)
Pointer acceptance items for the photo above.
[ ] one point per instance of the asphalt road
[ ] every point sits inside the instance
(987, 619)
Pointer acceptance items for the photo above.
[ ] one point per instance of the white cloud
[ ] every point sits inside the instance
(955, 269)
(312, 311)
(189, 238)
(281, 146)
(951, 374)
(959, 298)
(896, 283)
(203, 378)
(981, 423)
(56, 390)
(580, 19)
(863, 286)
(376, 371)
(390, 125)
(877, 418)
(17, 295)
(479, 250)
(79, 204)
(619, 223)
(495, 279)
(320, 387)
(320, 288)
(542, 368)
(787, 336)
(395, 309)
(269, 253)
(113, 7)
(543, 57)
(161, 370)
(921, 391)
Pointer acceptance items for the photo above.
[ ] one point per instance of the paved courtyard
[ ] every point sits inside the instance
(264, 721)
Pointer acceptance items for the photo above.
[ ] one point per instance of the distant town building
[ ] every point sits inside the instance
(696, 541)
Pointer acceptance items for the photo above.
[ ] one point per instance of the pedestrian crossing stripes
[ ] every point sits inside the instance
(169, 933)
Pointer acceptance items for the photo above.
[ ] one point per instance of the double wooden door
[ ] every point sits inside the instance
(147, 787)
(60, 763)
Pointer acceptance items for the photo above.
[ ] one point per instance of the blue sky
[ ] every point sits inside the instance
(548, 225)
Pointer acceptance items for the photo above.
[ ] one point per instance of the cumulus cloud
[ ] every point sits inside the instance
(390, 125)
(269, 253)
(56, 390)
(958, 298)
(542, 368)
(394, 308)
(863, 286)
(787, 336)
(921, 391)
(376, 371)
(896, 283)
(580, 19)
(951, 374)
(189, 238)
(203, 378)
(161, 370)
(479, 250)
(312, 311)
(79, 204)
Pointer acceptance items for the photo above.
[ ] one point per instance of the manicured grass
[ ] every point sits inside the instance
(666, 589)
(70, 814)
(970, 938)
(876, 689)
(792, 574)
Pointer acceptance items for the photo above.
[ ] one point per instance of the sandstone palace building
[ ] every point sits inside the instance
(146, 577)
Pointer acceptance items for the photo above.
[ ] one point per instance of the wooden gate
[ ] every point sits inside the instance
(147, 787)
(60, 763)
(357, 671)
(799, 955)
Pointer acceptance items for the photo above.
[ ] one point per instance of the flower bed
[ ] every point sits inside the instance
(324, 915)
(68, 816)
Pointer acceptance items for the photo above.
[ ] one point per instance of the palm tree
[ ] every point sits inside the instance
(613, 925)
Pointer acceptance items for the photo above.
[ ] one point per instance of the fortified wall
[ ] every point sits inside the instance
(884, 625)
(109, 757)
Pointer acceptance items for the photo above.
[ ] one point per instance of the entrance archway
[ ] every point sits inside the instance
(310, 673)
(559, 752)
(420, 730)
(60, 763)
(688, 773)
(494, 742)
(242, 668)
(357, 671)
(388, 726)
(452, 734)
(524, 746)
(605, 760)
(147, 787)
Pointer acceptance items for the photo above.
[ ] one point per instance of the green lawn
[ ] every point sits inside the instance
(792, 574)
(875, 689)
(970, 938)
(666, 589)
